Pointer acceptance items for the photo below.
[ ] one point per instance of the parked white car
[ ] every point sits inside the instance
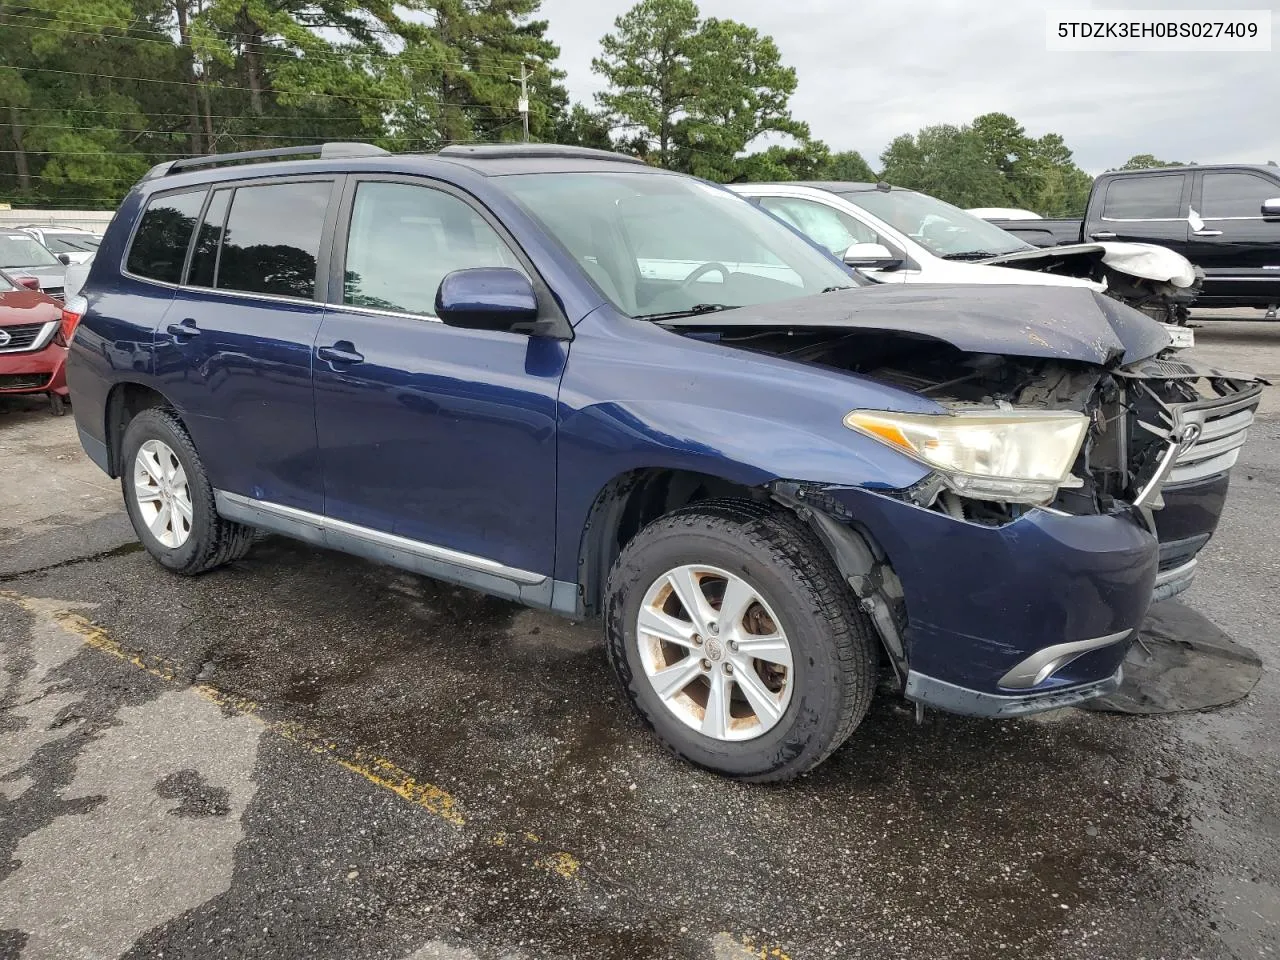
(892, 235)
(68, 244)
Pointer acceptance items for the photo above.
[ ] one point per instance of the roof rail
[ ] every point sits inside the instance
(325, 150)
(514, 151)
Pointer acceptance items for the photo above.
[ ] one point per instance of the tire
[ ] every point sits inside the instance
(207, 541)
(57, 405)
(832, 644)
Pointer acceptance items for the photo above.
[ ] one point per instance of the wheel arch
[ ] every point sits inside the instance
(126, 400)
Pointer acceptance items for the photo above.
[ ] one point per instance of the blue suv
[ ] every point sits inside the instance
(563, 377)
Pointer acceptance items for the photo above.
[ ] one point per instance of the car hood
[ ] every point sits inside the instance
(27, 306)
(1060, 323)
(1146, 260)
(49, 275)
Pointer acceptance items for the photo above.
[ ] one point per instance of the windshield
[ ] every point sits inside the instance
(659, 244)
(943, 230)
(70, 243)
(19, 250)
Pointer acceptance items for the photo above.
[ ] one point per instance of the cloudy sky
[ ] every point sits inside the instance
(869, 71)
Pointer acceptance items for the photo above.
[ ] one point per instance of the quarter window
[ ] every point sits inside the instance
(1235, 195)
(272, 239)
(160, 245)
(1144, 198)
(405, 239)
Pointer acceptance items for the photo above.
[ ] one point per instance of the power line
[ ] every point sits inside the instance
(19, 20)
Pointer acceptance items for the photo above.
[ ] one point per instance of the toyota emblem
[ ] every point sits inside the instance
(1188, 436)
(4, 338)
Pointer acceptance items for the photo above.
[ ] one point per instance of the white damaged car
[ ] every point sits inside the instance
(893, 235)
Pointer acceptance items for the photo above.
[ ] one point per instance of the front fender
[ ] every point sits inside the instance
(636, 396)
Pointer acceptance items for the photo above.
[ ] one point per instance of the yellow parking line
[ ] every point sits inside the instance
(377, 770)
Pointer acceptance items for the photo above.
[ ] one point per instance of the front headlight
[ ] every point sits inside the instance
(1009, 455)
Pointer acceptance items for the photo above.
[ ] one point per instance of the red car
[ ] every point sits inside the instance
(33, 349)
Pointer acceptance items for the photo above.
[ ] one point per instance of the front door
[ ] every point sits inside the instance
(435, 434)
(1151, 208)
(233, 351)
(1236, 245)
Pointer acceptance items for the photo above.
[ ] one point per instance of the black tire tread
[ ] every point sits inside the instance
(228, 541)
(783, 537)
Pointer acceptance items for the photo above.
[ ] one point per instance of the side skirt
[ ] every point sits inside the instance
(478, 573)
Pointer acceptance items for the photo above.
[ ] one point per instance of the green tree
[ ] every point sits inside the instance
(646, 62)
(581, 127)
(1145, 161)
(847, 165)
(947, 162)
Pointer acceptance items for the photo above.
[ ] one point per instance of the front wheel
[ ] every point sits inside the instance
(738, 642)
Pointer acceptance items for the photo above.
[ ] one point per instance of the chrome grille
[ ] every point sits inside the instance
(23, 337)
(1224, 426)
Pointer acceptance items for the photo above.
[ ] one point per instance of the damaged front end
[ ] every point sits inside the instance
(1153, 279)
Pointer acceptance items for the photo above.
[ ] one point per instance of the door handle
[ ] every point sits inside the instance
(1207, 233)
(187, 328)
(344, 351)
(1102, 235)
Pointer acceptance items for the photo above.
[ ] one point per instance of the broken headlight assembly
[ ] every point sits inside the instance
(1012, 456)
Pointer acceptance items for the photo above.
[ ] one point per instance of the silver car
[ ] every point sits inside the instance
(22, 255)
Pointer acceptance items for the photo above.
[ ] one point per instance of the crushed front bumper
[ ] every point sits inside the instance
(988, 608)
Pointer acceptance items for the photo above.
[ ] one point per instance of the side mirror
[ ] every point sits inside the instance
(31, 283)
(1271, 208)
(871, 256)
(486, 298)
(64, 259)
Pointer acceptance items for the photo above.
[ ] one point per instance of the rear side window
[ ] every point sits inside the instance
(1235, 195)
(160, 245)
(272, 238)
(1144, 198)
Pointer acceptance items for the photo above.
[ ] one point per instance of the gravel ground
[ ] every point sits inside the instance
(306, 755)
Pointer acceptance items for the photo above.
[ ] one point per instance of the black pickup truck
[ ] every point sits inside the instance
(1223, 218)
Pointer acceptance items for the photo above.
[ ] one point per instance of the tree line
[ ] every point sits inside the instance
(94, 92)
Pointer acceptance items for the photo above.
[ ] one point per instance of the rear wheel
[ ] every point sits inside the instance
(170, 500)
(738, 642)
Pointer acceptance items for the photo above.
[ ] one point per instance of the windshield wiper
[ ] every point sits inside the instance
(693, 311)
(970, 255)
(834, 289)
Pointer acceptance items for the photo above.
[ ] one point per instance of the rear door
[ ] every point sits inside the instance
(1148, 208)
(440, 435)
(233, 352)
(1238, 248)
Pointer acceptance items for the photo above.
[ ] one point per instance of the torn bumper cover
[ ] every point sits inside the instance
(985, 605)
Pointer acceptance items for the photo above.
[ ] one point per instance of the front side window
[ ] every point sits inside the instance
(6, 284)
(272, 239)
(657, 244)
(1144, 198)
(1235, 195)
(832, 228)
(404, 239)
(945, 231)
(160, 245)
(21, 250)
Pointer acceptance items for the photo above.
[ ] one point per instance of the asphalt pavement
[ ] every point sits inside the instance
(307, 755)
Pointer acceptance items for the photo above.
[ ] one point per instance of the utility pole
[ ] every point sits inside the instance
(523, 103)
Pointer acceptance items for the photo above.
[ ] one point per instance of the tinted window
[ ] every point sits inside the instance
(405, 239)
(205, 255)
(272, 238)
(1236, 194)
(832, 228)
(1144, 198)
(160, 245)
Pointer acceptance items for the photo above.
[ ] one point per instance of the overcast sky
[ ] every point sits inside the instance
(869, 71)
